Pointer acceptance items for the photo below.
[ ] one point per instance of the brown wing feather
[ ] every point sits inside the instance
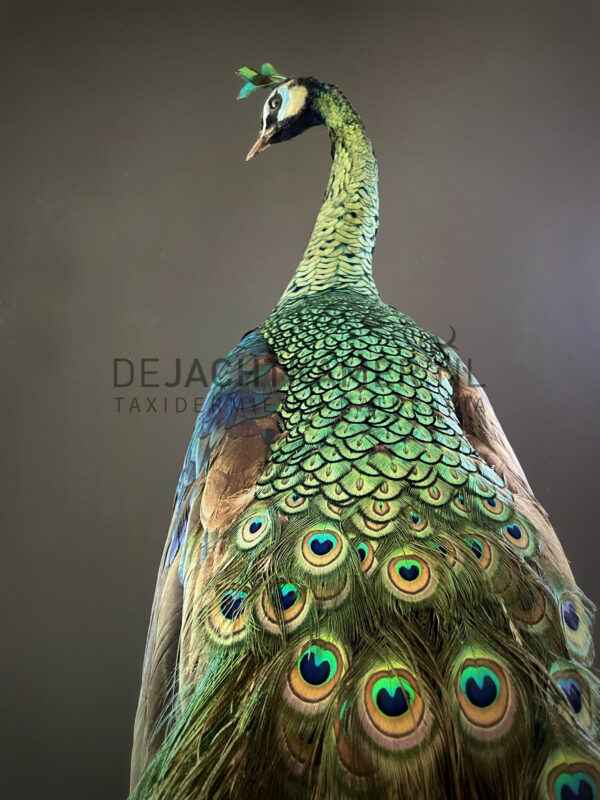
(227, 454)
(229, 490)
(489, 441)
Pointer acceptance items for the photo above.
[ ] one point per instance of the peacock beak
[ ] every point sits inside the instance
(259, 145)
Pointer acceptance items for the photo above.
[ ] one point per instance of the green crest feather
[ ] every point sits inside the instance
(267, 77)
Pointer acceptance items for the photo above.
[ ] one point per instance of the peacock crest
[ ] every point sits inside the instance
(265, 78)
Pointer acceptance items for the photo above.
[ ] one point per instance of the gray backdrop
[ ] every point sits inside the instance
(132, 228)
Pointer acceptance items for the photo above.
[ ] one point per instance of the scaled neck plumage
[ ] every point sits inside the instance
(340, 251)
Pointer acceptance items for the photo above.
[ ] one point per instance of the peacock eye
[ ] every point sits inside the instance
(275, 102)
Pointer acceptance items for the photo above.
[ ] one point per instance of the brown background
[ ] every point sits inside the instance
(133, 228)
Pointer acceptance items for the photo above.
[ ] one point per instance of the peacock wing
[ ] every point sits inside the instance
(487, 438)
(226, 454)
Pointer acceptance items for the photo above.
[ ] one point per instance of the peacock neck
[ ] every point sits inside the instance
(340, 251)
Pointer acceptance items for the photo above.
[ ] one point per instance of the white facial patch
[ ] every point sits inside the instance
(293, 98)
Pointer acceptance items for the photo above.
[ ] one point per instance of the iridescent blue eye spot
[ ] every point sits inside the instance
(313, 671)
(492, 502)
(409, 573)
(231, 603)
(570, 616)
(256, 525)
(321, 544)
(288, 595)
(514, 531)
(362, 550)
(475, 546)
(415, 518)
(483, 695)
(572, 692)
(575, 787)
(392, 704)
(443, 550)
(294, 497)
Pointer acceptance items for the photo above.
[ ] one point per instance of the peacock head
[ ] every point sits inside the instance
(288, 109)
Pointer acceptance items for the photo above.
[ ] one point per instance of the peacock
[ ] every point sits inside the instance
(360, 596)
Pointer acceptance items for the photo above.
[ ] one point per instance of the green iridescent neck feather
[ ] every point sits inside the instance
(340, 251)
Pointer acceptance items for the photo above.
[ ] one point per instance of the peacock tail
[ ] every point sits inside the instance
(359, 595)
